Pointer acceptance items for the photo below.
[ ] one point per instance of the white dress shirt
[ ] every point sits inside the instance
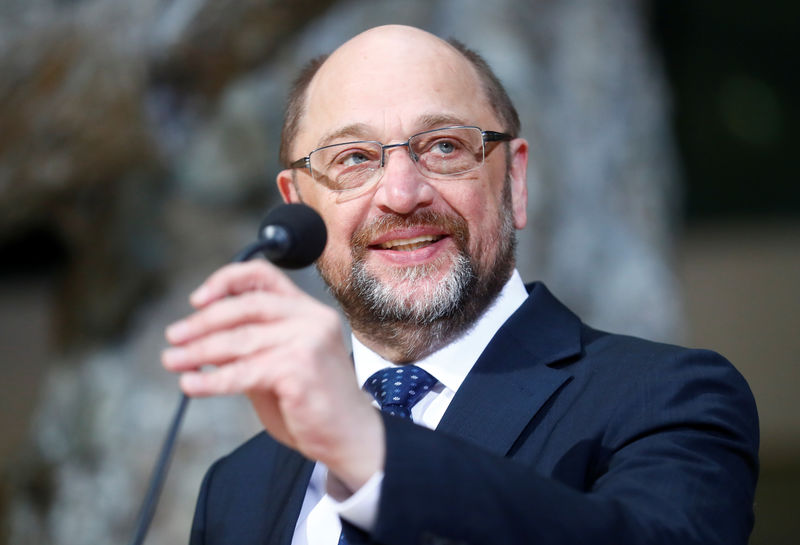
(319, 522)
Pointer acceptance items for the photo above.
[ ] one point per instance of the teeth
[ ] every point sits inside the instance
(408, 244)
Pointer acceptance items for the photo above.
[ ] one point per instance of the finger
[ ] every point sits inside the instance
(239, 377)
(238, 278)
(228, 313)
(223, 347)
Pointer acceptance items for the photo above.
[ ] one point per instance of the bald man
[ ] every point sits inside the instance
(532, 427)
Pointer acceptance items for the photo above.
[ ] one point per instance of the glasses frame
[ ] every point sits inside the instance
(487, 137)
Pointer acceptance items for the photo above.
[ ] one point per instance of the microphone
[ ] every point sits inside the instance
(292, 236)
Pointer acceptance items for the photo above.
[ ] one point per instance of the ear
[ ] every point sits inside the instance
(518, 178)
(287, 185)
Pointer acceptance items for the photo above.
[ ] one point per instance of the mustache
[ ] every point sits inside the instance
(452, 224)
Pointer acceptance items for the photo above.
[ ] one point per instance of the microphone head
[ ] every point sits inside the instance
(306, 232)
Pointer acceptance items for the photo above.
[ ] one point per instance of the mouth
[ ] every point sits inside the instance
(409, 244)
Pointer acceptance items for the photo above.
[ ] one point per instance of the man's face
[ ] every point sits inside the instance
(410, 248)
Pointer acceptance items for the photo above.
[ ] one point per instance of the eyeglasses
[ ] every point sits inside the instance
(438, 153)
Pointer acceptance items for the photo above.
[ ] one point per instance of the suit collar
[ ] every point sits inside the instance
(515, 375)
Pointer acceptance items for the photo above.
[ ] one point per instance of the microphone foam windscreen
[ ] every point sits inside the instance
(306, 231)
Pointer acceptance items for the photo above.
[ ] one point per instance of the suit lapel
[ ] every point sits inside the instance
(515, 376)
(291, 475)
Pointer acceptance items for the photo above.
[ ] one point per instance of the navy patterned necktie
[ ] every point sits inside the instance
(397, 389)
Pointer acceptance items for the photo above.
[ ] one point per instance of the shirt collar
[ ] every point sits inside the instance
(451, 363)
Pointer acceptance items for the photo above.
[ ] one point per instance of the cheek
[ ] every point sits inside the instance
(480, 208)
(338, 246)
(340, 226)
(335, 263)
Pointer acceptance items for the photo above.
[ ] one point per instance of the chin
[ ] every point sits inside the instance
(419, 293)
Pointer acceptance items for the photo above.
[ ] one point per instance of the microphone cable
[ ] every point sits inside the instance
(159, 475)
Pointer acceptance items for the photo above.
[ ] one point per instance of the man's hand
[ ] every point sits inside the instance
(260, 335)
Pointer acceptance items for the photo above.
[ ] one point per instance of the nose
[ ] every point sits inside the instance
(402, 188)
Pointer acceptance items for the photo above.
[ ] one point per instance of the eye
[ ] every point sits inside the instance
(353, 158)
(445, 147)
(354, 155)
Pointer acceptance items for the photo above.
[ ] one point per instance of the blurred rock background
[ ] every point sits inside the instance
(138, 147)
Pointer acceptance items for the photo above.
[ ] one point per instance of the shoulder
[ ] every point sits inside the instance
(619, 374)
(617, 355)
(249, 461)
(642, 360)
(670, 384)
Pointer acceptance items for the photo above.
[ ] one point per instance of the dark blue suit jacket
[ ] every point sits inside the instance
(560, 434)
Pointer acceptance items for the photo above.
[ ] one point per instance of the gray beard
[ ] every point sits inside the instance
(392, 306)
(413, 326)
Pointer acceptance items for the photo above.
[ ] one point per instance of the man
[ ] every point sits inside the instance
(547, 431)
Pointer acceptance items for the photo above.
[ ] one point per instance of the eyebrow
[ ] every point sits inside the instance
(434, 121)
(358, 131)
(362, 131)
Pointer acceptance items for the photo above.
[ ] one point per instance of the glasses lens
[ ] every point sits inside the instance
(448, 151)
(346, 166)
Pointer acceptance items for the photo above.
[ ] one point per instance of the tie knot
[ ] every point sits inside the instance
(397, 389)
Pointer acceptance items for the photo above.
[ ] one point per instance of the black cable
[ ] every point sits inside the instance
(159, 475)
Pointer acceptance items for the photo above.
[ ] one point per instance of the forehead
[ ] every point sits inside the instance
(388, 86)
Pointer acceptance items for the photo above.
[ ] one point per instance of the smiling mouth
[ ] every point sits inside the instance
(410, 244)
